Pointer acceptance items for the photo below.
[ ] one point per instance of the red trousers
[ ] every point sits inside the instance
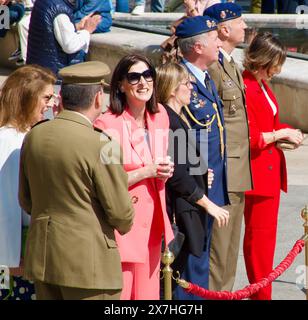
(261, 215)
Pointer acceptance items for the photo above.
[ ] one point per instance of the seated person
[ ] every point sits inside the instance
(16, 11)
(54, 41)
(86, 7)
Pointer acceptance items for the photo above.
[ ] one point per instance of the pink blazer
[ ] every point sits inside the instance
(268, 163)
(148, 196)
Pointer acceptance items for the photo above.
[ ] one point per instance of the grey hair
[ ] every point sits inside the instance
(186, 44)
(226, 24)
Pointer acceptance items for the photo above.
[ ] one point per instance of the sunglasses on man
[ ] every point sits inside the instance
(134, 77)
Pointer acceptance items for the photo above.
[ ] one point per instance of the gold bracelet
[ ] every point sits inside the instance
(192, 10)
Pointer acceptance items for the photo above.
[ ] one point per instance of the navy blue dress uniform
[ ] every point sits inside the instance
(230, 87)
(205, 116)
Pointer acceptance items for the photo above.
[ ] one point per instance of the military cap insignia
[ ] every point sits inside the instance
(223, 14)
(210, 24)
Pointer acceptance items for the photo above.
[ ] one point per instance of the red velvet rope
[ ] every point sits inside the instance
(250, 289)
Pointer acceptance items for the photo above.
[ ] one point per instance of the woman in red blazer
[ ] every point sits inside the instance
(264, 58)
(141, 126)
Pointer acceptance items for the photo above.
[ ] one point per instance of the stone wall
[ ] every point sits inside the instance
(291, 86)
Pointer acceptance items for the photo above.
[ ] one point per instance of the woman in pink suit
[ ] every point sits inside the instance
(141, 126)
(264, 58)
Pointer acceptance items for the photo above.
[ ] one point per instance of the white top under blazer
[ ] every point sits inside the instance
(11, 216)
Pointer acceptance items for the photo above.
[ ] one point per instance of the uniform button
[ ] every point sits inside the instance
(144, 225)
(134, 199)
(270, 167)
(270, 151)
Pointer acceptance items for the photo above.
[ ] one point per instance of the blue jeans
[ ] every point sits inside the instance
(122, 6)
(17, 11)
(289, 6)
(268, 6)
(156, 5)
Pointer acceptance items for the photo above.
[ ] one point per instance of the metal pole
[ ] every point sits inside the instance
(167, 259)
(304, 214)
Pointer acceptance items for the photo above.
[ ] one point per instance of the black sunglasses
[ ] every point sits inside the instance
(134, 77)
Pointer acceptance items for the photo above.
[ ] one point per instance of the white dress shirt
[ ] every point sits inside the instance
(70, 41)
(198, 73)
(225, 54)
(11, 216)
(270, 101)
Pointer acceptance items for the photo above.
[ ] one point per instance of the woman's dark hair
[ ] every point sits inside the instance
(118, 98)
(264, 52)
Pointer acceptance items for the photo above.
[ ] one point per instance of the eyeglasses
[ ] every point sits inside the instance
(134, 77)
(54, 98)
(187, 84)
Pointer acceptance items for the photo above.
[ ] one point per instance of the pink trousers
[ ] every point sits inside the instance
(141, 280)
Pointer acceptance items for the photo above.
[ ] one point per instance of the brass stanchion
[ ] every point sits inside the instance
(167, 259)
(304, 214)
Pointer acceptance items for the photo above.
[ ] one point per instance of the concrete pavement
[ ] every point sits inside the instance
(289, 286)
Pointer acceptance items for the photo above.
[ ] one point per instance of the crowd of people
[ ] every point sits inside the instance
(89, 200)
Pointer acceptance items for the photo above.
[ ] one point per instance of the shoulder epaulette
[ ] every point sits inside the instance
(98, 129)
(38, 123)
(101, 131)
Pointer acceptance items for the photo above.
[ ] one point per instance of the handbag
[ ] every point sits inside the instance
(176, 244)
(286, 145)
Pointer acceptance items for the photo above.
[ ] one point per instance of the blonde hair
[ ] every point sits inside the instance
(264, 52)
(20, 95)
(169, 77)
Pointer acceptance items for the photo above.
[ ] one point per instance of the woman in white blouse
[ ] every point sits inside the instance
(24, 97)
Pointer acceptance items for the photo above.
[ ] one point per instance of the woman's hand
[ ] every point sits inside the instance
(162, 169)
(210, 177)
(293, 135)
(220, 214)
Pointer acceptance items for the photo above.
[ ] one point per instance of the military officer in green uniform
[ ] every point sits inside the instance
(76, 199)
(229, 83)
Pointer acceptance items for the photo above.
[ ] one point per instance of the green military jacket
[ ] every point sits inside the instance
(230, 87)
(75, 201)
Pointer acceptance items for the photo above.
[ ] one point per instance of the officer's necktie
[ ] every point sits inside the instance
(207, 82)
(233, 65)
